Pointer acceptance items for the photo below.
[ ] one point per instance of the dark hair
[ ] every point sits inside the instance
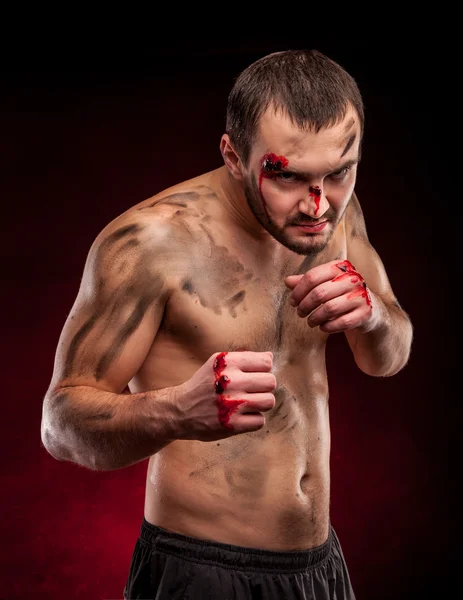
(312, 89)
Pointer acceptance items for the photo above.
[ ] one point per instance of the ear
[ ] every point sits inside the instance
(230, 157)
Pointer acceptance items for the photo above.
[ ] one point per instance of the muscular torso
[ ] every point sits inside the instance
(265, 489)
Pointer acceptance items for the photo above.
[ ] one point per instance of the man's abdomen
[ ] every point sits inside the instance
(267, 489)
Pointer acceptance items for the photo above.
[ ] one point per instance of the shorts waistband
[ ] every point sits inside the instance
(231, 556)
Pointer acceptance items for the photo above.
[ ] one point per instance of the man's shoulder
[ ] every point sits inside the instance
(138, 232)
(180, 203)
(166, 223)
(190, 195)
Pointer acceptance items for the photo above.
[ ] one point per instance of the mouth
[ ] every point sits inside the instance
(312, 227)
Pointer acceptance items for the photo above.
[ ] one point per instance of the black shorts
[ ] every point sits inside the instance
(170, 566)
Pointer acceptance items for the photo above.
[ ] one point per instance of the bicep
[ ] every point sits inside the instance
(114, 319)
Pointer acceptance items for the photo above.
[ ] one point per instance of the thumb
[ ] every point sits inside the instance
(292, 280)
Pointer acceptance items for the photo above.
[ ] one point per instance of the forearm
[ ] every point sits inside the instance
(385, 349)
(105, 431)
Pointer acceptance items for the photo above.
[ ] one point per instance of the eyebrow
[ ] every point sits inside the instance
(307, 175)
(350, 141)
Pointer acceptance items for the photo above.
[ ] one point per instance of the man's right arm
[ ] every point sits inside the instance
(87, 419)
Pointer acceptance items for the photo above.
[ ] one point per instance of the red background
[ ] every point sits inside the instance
(84, 135)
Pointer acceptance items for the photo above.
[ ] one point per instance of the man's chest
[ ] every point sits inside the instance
(249, 314)
(227, 302)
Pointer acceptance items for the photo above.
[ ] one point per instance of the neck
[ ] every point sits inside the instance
(237, 207)
(264, 248)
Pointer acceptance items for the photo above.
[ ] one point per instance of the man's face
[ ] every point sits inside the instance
(298, 183)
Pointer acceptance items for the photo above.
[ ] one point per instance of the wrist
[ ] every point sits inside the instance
(175, 413)
(379, 318)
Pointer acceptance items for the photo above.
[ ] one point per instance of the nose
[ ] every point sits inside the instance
(314, 202)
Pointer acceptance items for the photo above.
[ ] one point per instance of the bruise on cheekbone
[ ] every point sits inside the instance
(117, 312)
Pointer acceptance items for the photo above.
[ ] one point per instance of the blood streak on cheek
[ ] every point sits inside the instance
(316, 194)
(225, 406)
(270, 164)
(348, 270)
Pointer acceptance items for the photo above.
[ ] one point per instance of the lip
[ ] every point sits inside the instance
(313, 228)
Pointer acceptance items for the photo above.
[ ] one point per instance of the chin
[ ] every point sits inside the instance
(305, 249)
(302, 244)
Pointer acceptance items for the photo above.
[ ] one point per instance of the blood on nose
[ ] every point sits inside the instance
(316, 193)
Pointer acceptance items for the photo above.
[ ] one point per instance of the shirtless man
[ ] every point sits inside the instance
(213, 302)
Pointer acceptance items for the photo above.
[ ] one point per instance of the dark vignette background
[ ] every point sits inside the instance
(85, 133)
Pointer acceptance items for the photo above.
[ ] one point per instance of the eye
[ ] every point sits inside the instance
(286, 176)
(341, 173)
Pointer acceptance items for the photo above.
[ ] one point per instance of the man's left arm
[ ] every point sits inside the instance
(382, 346)
(358, 300)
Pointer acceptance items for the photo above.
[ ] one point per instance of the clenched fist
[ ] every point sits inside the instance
(333, 296)
(227, 395)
